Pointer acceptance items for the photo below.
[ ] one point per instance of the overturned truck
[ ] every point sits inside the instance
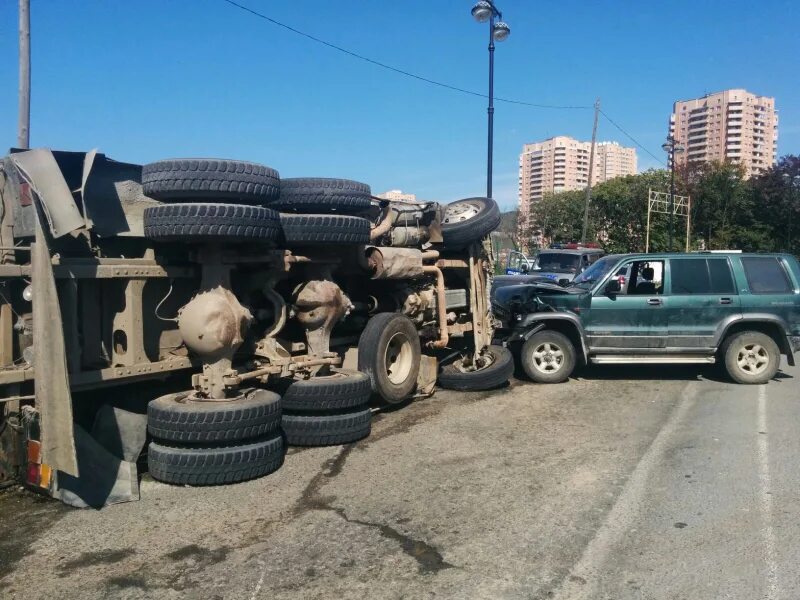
(194, 316)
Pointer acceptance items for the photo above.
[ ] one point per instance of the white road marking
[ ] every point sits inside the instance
(582, 579)
(762, 448)
(260, 581)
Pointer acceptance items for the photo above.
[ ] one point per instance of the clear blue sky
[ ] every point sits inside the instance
(153, 79)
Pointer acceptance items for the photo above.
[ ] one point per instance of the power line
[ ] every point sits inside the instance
(426, 79)
(633, 139)
(391, 68)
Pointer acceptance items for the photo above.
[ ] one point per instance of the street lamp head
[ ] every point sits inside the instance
(501, 31)
(678, 148)
(482, 11)
(666, 147)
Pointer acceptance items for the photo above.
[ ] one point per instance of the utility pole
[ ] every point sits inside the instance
(24, 122)
(591, 169)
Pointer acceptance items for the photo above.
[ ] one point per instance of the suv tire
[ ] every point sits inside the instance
(490, 377)
(322, 195)
(751, 357)
(215, 466)
(204, 222)
(389, 353)
(188, 179)
(548, 357)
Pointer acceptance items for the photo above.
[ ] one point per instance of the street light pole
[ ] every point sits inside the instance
(490, 110)
(483, 11)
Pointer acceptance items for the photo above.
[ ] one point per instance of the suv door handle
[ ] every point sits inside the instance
(725, 301)
(654, 301)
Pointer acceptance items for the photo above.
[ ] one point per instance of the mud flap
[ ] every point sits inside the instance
(106, 460)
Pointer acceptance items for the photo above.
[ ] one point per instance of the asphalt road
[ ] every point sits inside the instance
(659, 483)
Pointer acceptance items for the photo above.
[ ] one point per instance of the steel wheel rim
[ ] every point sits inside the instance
(752, 359)
(462, 211)
(398, 358)
(548, 358)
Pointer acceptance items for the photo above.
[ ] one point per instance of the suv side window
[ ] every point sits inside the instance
(701, 276)
(646, 278)
(766, 275)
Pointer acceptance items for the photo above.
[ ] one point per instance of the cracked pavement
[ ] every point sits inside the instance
(625, 483)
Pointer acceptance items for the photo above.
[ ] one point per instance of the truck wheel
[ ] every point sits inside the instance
(389, 353)
(469, 220)
(327, 430)
(548, 357)
(455, 377)
(341, 390)
(204, 222)
(324, 229)
(751, 357)
(215, 466)
(188, 179)
(321, 195)
(176, 418)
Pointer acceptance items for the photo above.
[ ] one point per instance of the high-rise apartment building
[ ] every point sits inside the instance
(733, 125)
(398, 195)
(561, 164)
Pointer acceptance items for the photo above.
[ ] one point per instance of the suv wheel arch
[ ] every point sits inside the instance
(566, 325)
(763, 324)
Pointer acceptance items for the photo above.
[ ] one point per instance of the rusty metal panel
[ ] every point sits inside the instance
(40, 170)
(53, 398)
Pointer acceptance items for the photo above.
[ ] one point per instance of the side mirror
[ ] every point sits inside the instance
(525, 268)
(613, 287)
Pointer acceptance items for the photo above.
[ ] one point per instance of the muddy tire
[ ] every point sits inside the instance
(326, 430)
(176, 419)
(207, 222)
(324, 229)
(389, 353)
(215, 466)
(321, 195)
(341, 390)
(548, 357)
(492, 376)
(469, 220)
(188, 179)
(751, 357)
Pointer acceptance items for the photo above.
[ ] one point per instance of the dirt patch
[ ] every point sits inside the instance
(24, 518)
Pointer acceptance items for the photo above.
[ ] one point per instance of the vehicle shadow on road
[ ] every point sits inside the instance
(714, 373)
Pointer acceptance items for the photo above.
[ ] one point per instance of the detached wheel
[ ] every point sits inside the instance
(176, 418)
(341, 390)
(327, 430)
(189, 179)
(469, 220)
(207, 222)
(751, 357)
(322, 195)
(548, 357)
(389, 353)
(496, 370)
(215, 466)
(324, 229)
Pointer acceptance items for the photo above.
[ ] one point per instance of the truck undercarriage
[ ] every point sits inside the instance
(208, 295)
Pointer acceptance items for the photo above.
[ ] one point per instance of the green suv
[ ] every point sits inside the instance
(742, 310)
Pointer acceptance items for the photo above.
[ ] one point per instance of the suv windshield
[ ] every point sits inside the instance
(557, 262)
(596, 272)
